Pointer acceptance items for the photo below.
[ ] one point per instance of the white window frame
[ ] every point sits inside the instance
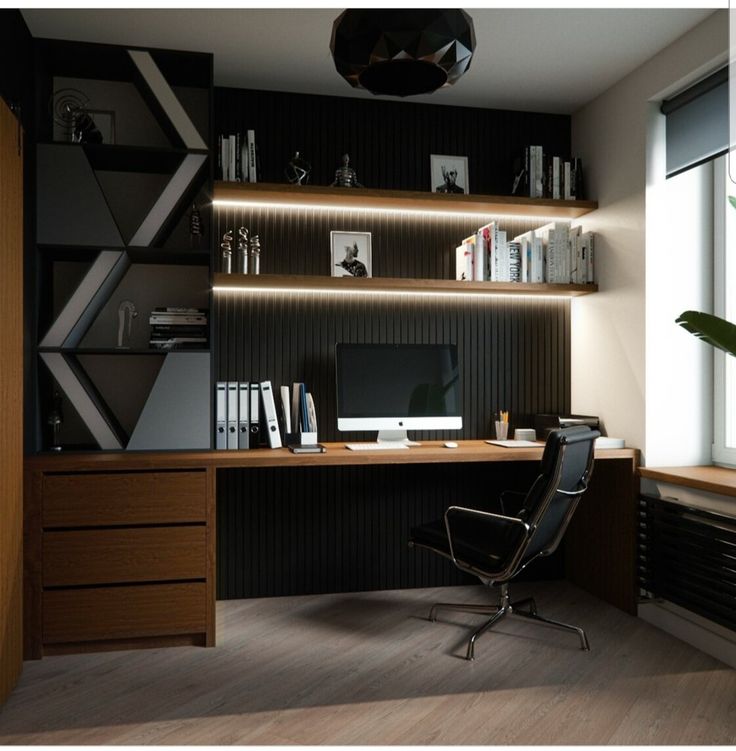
(722, 454)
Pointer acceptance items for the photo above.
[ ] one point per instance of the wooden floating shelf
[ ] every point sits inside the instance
(294, 282)
(399, 200)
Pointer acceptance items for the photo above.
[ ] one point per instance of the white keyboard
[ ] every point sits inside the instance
(375, 446)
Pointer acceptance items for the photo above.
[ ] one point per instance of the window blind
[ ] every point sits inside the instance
(697, 123)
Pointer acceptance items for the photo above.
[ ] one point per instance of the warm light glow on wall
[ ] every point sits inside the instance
(245, 204)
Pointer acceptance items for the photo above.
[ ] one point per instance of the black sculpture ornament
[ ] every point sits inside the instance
(346, 176)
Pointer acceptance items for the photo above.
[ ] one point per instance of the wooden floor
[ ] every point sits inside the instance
(369, 669)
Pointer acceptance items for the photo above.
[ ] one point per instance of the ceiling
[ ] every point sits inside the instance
(551, 60)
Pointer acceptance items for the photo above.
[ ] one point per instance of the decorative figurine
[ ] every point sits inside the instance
(298, 170)
(346, 176)
(227, 252)
(55, 420)
(255, 255)
(126, 310)
(195, 227)
(243, 250)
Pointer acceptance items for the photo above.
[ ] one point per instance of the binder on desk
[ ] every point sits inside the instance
(221, 415)
(232, 414)
(255, 415)
(303, 409)
(243, 415)
(271, 420)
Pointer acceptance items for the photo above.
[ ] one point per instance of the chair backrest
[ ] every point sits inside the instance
(567, 464)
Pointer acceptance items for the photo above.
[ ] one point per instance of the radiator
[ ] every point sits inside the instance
(688, 556)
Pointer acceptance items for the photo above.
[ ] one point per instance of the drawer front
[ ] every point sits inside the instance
(109, 556)
(89, 500)
(74, 615)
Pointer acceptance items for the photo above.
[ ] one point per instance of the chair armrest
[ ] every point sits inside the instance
(497, 521)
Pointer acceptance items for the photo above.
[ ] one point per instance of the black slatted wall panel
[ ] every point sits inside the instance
(389, 142)
(310, 530)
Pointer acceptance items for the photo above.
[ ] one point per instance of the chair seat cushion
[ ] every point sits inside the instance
(482, 546)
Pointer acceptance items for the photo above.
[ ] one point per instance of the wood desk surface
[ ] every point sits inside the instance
(430, 452)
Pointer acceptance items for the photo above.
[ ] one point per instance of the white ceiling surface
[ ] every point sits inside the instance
(526, 59)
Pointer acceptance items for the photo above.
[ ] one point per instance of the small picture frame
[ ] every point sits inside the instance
(105, 122)
(350, 254)
(449, 174)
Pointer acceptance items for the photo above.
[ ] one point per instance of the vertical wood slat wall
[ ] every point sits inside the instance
(345, 529)
(11, 400)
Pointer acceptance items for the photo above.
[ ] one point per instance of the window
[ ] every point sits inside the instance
(724, 366)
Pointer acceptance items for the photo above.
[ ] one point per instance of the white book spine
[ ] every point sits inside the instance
(225, 158)
(479, 258)
(232, 171)
(502, 273)
(537, 264)
(555, 177)
(252, 171)
(463, 263)
(539, 192)
(566, 182)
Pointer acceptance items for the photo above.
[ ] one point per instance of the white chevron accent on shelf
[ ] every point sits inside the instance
(166, 202)
(87, 300)
(167, 99)
(90, 412)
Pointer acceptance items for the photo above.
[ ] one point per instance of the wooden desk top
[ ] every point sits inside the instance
(430, 452)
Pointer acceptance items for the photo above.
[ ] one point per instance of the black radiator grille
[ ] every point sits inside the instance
(688, 556)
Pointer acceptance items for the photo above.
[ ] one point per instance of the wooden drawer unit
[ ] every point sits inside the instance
(111, 556)
(123, 498)
(119, 559)
(100, 613)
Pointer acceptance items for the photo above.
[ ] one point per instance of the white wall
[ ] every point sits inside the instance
(610, 330)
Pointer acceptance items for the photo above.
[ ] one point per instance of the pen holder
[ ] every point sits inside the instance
(300, 439)
(502, 430)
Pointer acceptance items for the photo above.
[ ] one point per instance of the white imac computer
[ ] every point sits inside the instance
(393, 388)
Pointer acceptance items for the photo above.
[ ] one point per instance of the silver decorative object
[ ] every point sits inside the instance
(346, 176)
(298, 170)
(255, 255)
(126, 314)
(227, 252)
(243, 250)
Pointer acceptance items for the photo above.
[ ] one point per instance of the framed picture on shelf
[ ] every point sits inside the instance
(449, 173)
(350, 253)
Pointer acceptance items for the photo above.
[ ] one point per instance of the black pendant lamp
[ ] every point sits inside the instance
(402, 52)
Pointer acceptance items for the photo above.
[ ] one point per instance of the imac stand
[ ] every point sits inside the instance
(395, 436)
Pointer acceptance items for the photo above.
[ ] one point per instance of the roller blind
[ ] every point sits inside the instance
(697, 123)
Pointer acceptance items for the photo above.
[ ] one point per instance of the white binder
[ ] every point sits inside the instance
(255, 415)
(232, 414)
(221, 415)
(270, 418)
(243, 415)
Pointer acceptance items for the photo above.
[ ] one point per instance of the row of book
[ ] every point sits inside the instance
(556, 253)
(540, 175)
(247, 415)
(237, 159)
(178, 328)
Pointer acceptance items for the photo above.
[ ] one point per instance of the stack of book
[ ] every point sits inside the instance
(178, 328)
(540, 175)
(557, 253)
(237, 159)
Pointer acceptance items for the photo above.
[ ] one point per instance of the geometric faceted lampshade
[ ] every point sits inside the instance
(402, 52)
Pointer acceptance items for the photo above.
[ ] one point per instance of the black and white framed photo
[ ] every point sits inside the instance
(449, 173)
(351, 253)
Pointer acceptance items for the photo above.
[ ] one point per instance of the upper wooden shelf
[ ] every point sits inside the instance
(400, 200)
(297, 282)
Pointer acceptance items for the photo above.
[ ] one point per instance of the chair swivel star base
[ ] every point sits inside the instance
(505, 607)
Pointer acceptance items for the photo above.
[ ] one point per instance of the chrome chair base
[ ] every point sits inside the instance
(505, 607)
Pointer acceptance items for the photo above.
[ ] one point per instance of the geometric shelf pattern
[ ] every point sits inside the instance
(77, 207)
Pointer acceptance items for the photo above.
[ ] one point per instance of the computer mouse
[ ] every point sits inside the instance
(450, 445)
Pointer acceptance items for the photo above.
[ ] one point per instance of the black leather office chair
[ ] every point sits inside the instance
(496, 547)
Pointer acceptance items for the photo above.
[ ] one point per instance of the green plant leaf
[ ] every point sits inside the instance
(711, 329)
(732, 201)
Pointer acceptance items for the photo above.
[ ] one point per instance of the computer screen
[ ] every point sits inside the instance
(398, 387)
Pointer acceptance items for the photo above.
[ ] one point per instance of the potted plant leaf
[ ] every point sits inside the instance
(711, 329)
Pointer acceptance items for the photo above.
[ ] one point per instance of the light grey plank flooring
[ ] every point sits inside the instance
(369, 668)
